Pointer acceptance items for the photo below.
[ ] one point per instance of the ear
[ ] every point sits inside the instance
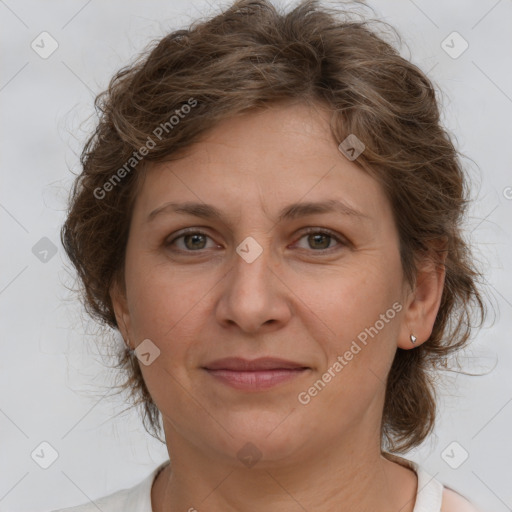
(117, 294)
(424, 300)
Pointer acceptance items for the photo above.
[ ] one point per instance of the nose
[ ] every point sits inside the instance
(254, 296)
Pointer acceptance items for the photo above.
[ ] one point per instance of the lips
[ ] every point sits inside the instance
(238, 364)
(254, 375)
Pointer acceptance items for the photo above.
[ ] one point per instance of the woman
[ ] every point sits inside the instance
(269, 212)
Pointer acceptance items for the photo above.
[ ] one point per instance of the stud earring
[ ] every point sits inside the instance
(413, 339)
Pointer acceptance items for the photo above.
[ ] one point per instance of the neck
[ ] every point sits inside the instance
(337, 478)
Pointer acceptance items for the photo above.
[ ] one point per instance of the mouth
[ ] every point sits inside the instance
(254, 375)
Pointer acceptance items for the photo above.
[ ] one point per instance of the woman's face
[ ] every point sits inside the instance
(320, 288)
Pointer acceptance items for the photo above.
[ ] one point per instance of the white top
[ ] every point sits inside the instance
(138, 498)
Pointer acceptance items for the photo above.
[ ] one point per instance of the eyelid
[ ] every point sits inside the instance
(326, 231)
(342, 241)
(183, 232)
(303, 232)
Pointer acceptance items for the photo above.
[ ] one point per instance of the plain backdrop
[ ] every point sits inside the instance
(52, 381)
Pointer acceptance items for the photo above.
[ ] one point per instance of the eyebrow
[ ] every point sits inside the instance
(290, 212)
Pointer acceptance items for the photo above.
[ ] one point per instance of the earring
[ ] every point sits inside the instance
(413, 339)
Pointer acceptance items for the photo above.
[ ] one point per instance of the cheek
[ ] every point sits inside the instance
(158, 312)
(350, 298)
(165, 307)
(357, 318)
(161, 298)
(363, 318)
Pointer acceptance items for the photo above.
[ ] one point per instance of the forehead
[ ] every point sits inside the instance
(263, 160)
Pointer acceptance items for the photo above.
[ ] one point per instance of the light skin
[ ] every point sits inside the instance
(305, 298)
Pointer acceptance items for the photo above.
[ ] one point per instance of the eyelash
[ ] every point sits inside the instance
(331, 234)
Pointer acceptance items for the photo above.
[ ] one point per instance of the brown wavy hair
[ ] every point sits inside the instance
(248, 57)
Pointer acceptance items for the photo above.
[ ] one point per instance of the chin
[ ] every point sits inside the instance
(263, 437)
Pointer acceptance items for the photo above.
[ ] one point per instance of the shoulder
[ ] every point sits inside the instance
(111, 503)
(132, 499)
(86, 507)
(124, 500)
(454, 502)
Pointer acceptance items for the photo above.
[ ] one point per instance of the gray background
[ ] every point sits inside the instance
(53, 383)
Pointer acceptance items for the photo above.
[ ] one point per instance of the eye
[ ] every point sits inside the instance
(320, 240)
(317, 239)
(193, 241)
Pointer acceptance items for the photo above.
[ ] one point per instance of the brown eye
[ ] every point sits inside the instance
(319, 240)
(196, 241)
(193, 241)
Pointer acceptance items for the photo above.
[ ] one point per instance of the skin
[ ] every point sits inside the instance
(303, 298)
